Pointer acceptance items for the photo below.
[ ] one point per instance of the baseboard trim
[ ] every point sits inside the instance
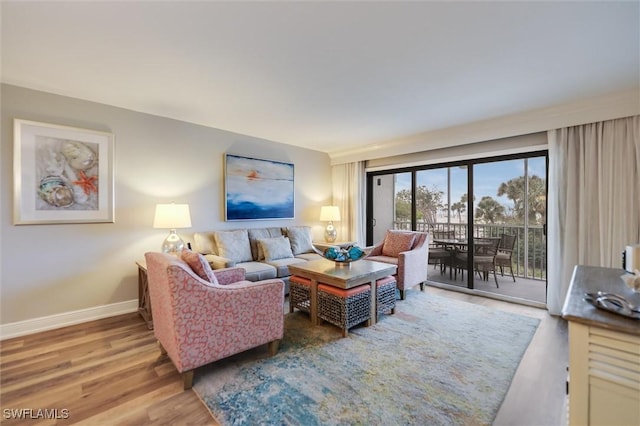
(35, 325)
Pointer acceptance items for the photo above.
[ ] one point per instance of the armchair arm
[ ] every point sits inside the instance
(375, 251)
(249, 284)
(227, 276)
(412, 265)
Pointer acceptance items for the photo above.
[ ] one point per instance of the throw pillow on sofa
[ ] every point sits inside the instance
(301, 241)
(199, 265)
(397, 242)
(205, 242)
(276, 248)
(256, 234)
(234, 245)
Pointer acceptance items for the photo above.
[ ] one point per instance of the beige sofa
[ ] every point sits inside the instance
(264, 253)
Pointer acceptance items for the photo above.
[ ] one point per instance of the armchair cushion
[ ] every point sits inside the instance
(397, 242)
(234, 245)
(276, 248)
(199, 265)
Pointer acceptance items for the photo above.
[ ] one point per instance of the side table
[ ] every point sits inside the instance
(144, 301)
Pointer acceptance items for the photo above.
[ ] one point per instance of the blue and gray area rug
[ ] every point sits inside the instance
(437, 361)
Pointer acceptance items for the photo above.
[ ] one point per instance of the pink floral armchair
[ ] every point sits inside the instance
(409, 251)
(198, 322)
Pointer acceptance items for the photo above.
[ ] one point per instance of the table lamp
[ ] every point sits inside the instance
(330, 213)
(172, 216)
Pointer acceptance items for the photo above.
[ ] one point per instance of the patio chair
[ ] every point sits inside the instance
(484, 257)
(438, 253)
(505, 251)
(484, 253)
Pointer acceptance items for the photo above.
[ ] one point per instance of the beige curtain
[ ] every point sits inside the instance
(594, 199)
(349, 195)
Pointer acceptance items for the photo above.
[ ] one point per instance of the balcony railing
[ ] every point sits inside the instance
(529, 253)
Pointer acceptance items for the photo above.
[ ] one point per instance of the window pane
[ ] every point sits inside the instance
(403, 200)
(498, 188)
(459, 177)
(432, 204)
(537, 191)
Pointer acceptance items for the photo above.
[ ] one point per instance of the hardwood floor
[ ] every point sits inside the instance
(103, 372)
(111, 372)
(538, 391)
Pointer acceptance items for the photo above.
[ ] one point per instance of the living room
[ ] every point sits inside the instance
(62, 274)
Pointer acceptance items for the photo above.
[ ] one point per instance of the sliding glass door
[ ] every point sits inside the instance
(507, 207)
(392, 206)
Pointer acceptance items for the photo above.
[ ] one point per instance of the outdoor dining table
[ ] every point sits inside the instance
(458, 245)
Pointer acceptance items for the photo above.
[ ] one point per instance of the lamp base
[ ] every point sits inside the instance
(330, 234)
(173, 244)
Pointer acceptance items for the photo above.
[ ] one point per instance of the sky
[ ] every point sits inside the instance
(487, 178)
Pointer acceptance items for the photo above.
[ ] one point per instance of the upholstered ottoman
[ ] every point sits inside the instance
(299, 293)
(344, 308)
(386, 295)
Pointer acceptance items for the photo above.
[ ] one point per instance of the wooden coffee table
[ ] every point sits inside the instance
(342, 276)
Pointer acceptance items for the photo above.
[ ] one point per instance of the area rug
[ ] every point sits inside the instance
(437, 361)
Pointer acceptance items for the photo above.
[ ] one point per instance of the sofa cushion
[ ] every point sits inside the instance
(234, 245)
(256, 234)
(276, 248)
(282, 265)
(257, 271)
(309, 256)
(300, 237)
(199, 265)
(396, 242)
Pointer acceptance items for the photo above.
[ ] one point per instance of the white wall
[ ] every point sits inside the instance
(50, 270)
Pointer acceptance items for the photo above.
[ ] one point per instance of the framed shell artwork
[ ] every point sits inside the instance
(62, 174)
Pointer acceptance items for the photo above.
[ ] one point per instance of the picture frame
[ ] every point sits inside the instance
(258, 189)
(62, 174)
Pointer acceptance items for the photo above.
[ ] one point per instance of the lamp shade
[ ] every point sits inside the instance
(172, 216)
(329, 213)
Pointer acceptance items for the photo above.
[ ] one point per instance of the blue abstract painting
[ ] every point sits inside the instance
(258, 189)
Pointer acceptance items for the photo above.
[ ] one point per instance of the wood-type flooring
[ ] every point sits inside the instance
(110, 372)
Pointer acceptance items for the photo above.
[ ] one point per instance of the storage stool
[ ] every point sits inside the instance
(344, 308)
(386, 295)
(299, 293)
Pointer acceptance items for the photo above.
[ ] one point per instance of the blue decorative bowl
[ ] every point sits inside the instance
(343, 255)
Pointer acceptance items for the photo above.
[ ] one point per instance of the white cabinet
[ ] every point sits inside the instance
(604, 376)
(604, 353)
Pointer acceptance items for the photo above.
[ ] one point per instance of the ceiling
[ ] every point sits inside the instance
(329, 76)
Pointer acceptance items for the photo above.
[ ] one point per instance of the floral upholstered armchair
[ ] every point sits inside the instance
(409, 251)
(201, 316)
